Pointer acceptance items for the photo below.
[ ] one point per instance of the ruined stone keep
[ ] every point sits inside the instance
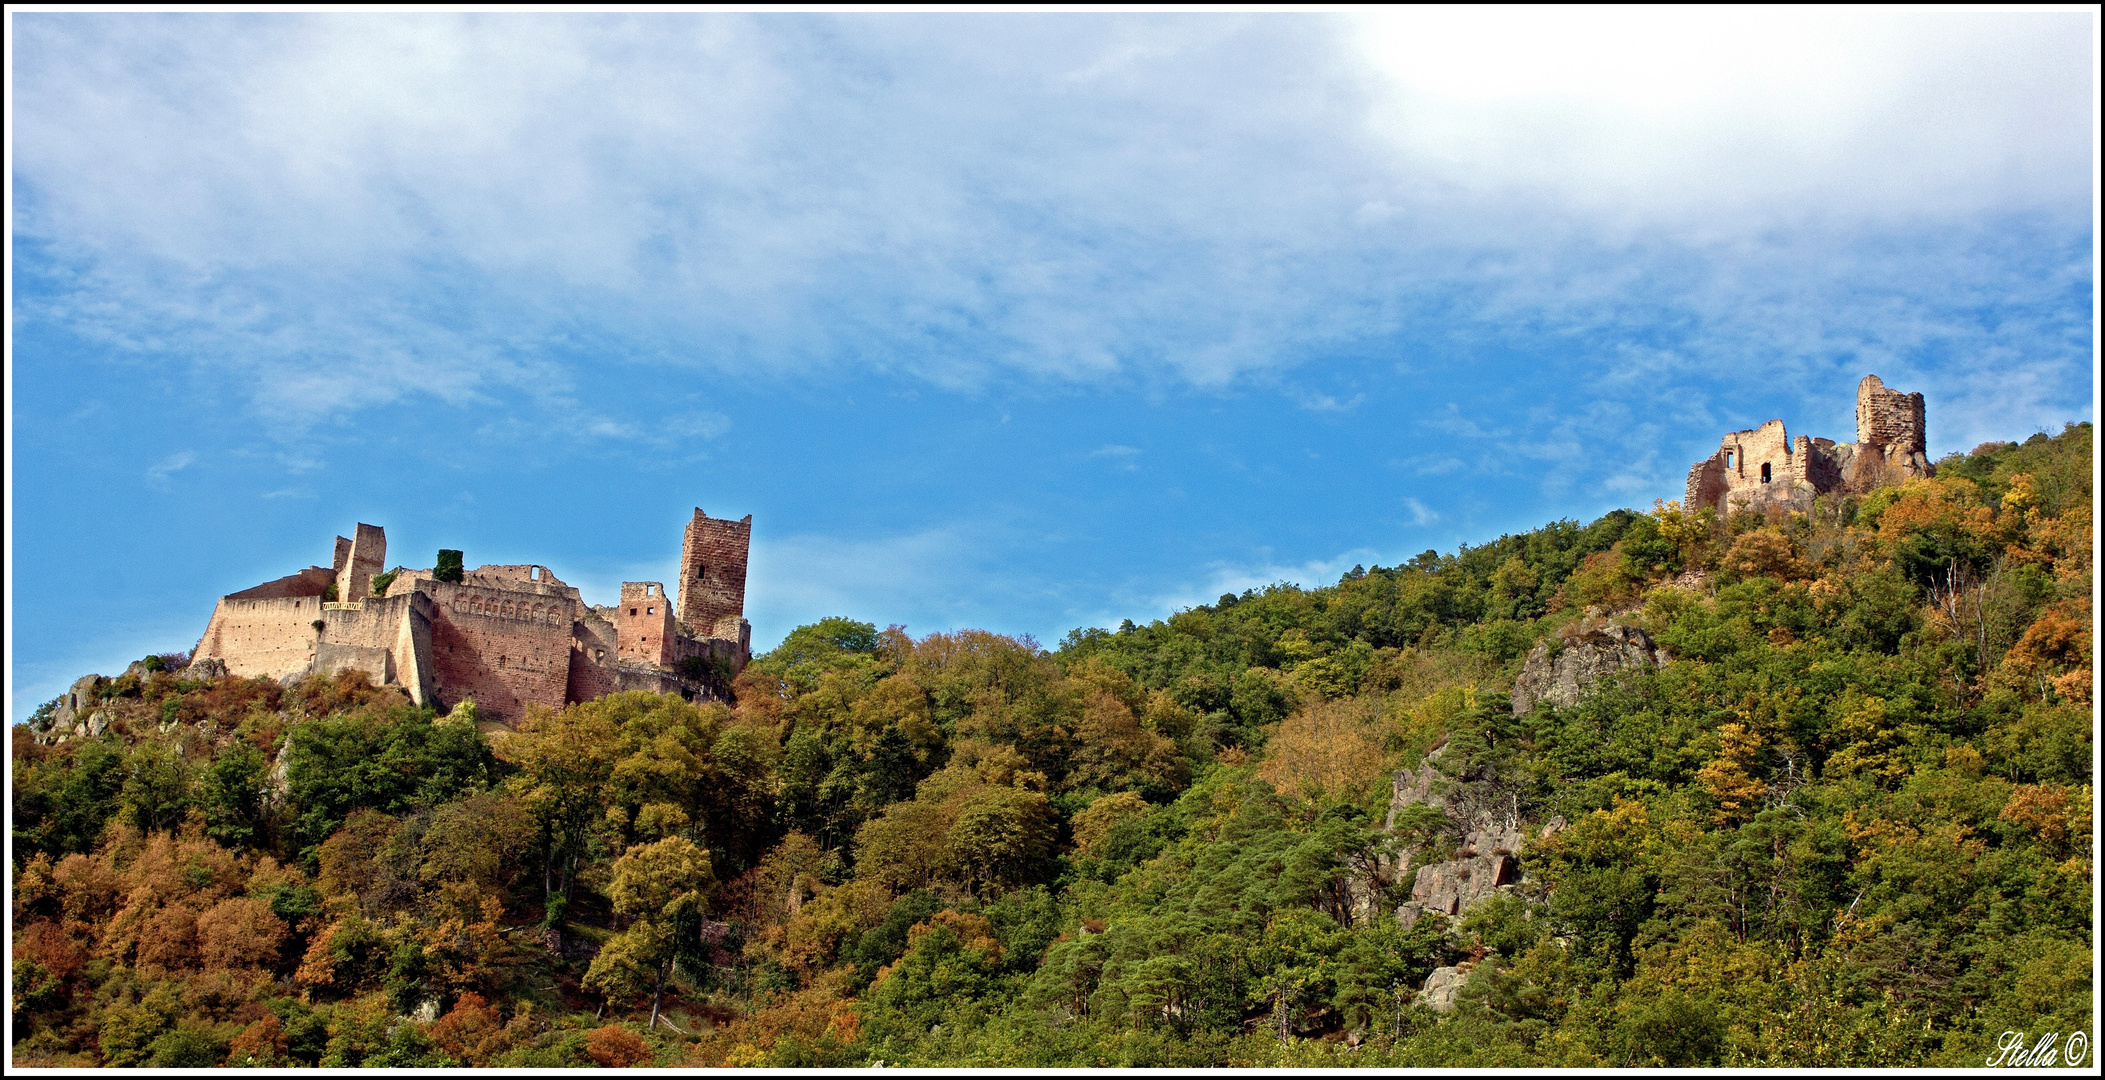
(504, 637)
(1764, 467)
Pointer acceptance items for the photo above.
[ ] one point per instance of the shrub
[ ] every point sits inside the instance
(616, 1047)
(449, 566)
(186, 1048)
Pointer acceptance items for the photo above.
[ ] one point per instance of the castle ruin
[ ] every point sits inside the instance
(1764, 467)
(504, 637)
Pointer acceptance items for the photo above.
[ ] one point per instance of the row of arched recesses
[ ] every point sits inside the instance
(498, 608)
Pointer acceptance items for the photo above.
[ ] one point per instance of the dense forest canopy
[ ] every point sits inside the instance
(1850, 823)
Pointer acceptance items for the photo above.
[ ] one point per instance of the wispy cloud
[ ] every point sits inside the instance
(160, 471)
(1224, 578)
(1317, 402)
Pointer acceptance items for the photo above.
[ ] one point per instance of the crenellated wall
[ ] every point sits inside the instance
(504, 647)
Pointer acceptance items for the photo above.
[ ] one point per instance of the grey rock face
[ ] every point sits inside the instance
(72, 706)
(1442, 987)
(211, 667)
(1415, 786)
(1485, 861)
(98, 723)
(1584, 661)
(1454, 886)
(281, 773)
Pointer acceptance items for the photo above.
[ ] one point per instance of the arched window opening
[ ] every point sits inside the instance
(1764, 472)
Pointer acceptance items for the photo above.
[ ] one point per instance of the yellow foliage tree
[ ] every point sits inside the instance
(1331, 747)
(1730, 777)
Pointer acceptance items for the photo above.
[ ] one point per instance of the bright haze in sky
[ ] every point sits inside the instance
(1020, 321)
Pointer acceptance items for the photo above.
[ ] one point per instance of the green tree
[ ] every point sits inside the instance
(664, 888)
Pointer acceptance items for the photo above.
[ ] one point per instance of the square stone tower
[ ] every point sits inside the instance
(643, 625)
(363, 560)
(713, 574)
(1889, 420)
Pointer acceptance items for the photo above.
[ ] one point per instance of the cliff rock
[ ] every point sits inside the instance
(1563, 679)
(1442, 987)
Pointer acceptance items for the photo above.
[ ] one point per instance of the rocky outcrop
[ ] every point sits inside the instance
(1488, 857)
(1562, 679)
(209, 667)
(76, 715)
(1486, 862)
(281, 773)
(1450, 887)
(1443, 986)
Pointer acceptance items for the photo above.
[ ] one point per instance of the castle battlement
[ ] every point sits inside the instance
(504, 636)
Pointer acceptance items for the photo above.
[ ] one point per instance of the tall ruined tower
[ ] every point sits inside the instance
(713, 574)
(1889, 420)
(359, 561)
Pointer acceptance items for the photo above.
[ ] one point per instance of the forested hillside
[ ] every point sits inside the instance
(1849, 823)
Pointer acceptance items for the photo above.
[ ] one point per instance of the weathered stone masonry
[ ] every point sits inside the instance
(1764, 467)
(504, 637)
(713, 573)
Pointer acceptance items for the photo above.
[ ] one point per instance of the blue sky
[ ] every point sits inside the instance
(1025, 322)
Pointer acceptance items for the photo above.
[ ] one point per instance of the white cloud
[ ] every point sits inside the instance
(1687, 114)
(174, 463)
(356, 211)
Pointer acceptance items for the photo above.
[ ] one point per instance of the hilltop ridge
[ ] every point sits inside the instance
(1766, 787)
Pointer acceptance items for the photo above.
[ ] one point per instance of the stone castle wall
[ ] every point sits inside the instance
(364, 562)
(594, 657)
(506, 649)
(262, 638)
(1889, 419)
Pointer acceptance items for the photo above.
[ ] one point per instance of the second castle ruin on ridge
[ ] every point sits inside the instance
(1764, 467)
